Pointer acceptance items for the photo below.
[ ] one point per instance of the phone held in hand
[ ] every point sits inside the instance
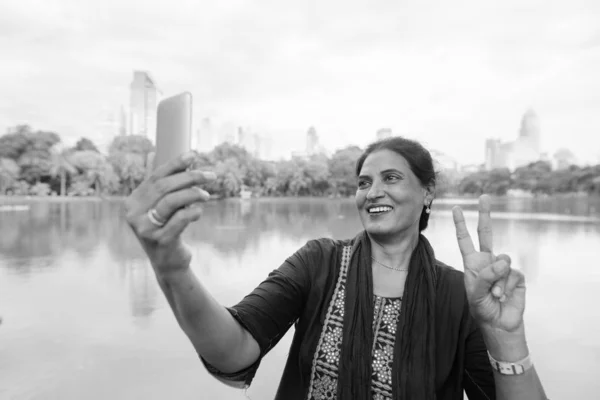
(173, 128)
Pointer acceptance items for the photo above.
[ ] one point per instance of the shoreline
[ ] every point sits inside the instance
(439, 200)
(50, 199)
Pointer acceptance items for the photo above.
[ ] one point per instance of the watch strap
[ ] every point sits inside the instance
(511, 368)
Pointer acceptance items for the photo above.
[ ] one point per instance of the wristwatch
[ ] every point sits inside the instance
(511, 368)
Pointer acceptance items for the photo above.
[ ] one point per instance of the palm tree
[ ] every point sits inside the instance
(61, 167)
(94, 169)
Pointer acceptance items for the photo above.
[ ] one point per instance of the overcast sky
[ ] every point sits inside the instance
(448, 72)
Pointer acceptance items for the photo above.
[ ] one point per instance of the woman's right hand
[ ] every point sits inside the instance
(162, 206)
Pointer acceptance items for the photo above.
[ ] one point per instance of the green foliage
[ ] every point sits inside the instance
(536, 178)
(84, 144)
(81, 188)
(61, 169)
(9, 174)
(496, 182)
(40, 189)
(342, 167)
(130, 170)
(21, 188)
(31, 150)
(22, 140)
(136, 144)
(96, 170)
(31, 163)
(128, 155)
(35, 165)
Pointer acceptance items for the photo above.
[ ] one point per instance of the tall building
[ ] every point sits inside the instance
(144, 97)
(122, 121)
(257, 150)
(205, 139)
(522, 151)
(248, 139)
(242, 136)
(529, 131)
(227, 133)
(383, 133)
(496, 153)
(312, 141)
(109, 126)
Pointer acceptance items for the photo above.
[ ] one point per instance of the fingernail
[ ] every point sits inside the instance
(209, 175)
(204, 193)
(497, 291)
(500, 266)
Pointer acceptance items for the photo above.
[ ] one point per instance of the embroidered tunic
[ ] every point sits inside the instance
(308, 291)
(386, 316)
(386, 313)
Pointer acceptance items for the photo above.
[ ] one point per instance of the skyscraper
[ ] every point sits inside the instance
(530, 130)
(312, 141)
(205, 136)
(143, 103)
(522, 151)
(122, 121)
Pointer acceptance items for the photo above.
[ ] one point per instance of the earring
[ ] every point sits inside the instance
(427, 210)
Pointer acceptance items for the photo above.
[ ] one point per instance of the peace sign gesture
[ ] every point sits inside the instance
(495, 291)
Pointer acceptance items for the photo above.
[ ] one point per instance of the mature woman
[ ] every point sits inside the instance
(376, 316)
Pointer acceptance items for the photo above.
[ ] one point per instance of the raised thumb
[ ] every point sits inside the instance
(486, 278)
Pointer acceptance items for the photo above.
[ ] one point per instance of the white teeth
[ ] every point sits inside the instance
(380, 209)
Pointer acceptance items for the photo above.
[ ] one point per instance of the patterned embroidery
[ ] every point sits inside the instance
(386, 312)
(323, 379)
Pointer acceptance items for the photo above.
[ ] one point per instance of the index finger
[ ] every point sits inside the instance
(465, 244)
(181, 163)
(484, 224)
(150, 163)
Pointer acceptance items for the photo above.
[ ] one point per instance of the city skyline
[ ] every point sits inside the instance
(525, 149)
(450, 78)
(144, 96)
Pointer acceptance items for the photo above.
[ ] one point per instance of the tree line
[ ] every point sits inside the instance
(537, 178)
(34, 162)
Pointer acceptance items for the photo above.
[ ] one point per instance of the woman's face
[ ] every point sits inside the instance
(389, 198)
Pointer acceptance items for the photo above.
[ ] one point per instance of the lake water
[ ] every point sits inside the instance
(83, 318)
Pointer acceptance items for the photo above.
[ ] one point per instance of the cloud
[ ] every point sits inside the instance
(447, 72)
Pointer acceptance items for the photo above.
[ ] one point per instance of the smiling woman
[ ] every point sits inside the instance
(389, 183)
(376, 316)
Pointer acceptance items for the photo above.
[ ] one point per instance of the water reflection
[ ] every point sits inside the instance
(74, 280)
(36, 238)
(142, 287)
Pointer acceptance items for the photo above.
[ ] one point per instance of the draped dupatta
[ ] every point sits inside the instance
(413, 376)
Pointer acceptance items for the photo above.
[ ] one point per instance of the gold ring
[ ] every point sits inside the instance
(155, 218)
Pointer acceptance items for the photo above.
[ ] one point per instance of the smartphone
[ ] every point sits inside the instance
(173, 128)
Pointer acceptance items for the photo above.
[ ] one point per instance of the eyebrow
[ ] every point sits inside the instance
(386, 171)
(391, 170)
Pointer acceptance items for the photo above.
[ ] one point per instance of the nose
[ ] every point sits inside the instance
(375, 192)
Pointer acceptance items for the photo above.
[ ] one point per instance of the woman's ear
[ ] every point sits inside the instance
(429, 195)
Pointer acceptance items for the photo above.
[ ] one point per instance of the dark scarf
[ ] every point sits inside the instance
(413, 373)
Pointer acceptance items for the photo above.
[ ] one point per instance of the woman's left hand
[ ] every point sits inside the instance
(495, 291)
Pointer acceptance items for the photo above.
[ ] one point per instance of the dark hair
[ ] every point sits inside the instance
(418, 158)
(414, 354)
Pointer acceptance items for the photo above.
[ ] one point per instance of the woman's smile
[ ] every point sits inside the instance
(379, 210)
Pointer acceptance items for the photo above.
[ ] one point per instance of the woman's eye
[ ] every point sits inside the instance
(363, 184)
(392, 178)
